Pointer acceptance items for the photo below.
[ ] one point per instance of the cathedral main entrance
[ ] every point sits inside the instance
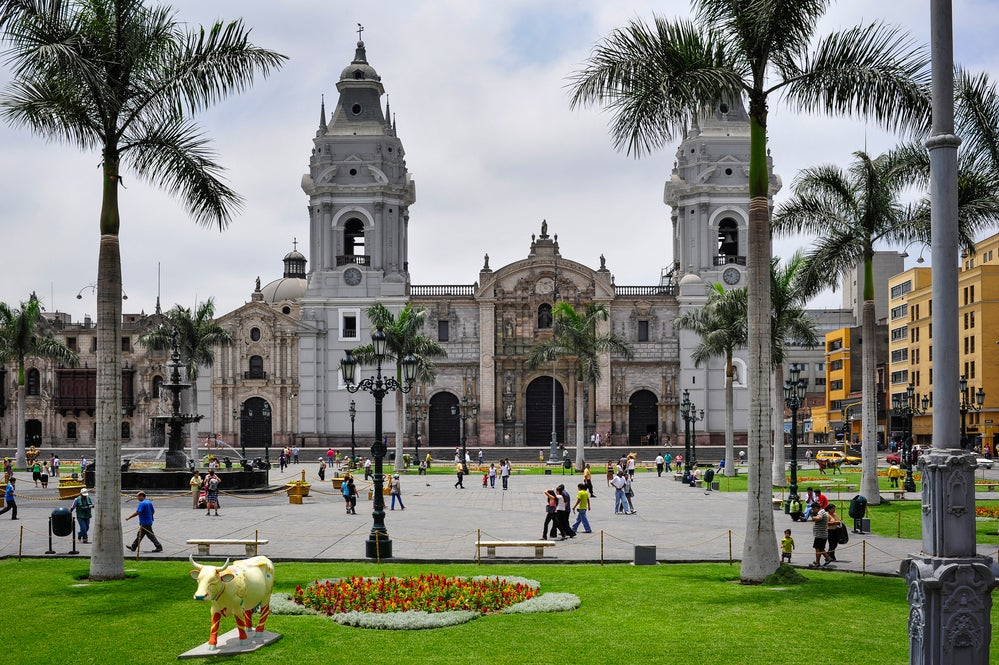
(538, 425)
(444, 429)
(643, 417)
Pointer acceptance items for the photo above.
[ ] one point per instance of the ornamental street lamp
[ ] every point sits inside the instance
(237, 417)
(794, 397)
(907, 405)
(266, 412)
(969, 402)
(353, 414)
(690, 416)
(464, 411)
(378, 545)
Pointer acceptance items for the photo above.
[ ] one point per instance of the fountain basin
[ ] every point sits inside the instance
(160, 479)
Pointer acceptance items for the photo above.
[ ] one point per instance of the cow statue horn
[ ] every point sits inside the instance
(194, 563)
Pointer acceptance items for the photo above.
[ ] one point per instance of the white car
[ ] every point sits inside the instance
(984, 462)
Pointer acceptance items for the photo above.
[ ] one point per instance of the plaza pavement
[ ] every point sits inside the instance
(441, 523)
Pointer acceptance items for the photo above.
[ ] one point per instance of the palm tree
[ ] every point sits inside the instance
(21, 338)
(852, 212)
(791, 326)
(721, 325)
(654, 78)
(582, 338)
(402, 335)
(197, 338)
(122, 78)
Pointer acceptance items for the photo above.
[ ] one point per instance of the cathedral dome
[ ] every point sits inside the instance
(359, 69)
(286, 288)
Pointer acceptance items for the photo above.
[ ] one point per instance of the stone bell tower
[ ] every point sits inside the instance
(359, 193)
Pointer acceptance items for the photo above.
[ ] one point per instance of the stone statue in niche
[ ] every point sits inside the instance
(509, 411)
(508, 384)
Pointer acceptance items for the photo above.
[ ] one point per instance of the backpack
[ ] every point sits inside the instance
(842, 535)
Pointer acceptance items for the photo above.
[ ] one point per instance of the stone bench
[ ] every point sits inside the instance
(491, 545)
(778, 503)
(205, 544)
(989, 486)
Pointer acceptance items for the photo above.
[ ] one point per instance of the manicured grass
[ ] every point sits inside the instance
(904, 519)
(666, 613)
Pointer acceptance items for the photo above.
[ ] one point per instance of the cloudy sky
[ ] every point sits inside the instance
(479, 93)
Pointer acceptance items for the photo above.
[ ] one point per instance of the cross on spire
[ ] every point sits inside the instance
(360, 29)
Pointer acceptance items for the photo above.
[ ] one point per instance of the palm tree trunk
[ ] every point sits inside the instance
(869, 440)
(779, 474)
(106, 560)
(21, 458)
(398, 466)
(580, 423)
(729, 418)
(759, 555)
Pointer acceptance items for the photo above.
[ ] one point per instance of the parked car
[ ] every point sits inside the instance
(983, 462)
(836, 457)
(896, 458)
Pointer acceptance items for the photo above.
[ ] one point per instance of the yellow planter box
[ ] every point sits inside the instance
(295, 498)
(299, 490)
(70, 491)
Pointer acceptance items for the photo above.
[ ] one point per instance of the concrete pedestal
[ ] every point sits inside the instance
(645, 555)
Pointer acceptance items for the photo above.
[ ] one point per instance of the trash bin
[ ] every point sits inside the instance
(645, 555)
(62, 522)
(567, 464)
(858, 511)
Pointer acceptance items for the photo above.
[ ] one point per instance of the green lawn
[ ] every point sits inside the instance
(666, 613)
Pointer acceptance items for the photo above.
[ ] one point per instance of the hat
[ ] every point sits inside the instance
(84, 492)
(140, 493)
(395, 475)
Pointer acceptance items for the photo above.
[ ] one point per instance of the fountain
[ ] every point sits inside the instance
(176, 459)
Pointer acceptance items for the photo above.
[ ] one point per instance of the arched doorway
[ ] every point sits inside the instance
(33, 432)
(538, 421)
(643, 416)
(443, 429)
(256, 426)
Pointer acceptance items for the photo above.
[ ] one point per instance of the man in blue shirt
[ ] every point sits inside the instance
(144, 511)
(8, 498)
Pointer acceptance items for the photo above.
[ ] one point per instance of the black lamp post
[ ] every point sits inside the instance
(464, 411)
(794, 397)
(906, 405)
(266, 413)
(969, 402)
(353, 414)
(378, 545)
(416, 413)
(690, 416)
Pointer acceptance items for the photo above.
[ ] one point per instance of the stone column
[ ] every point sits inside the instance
(487, 374)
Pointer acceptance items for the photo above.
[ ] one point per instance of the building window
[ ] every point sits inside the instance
(71, 343)
(126, 343)
(93, 345)
(900, 290)
(900, 333)
(348, 323)
(901, 376)
(643, 331)
(820, 367)
(820, 381)
(544, 316)
(71, 430)
(353, 237)
(836, 385)
(835, 365)
(443, 331)
(835, 345)
(899, 355)
(254, 334)
(899, 312)
(256, 368)
(33, 382)
(126, 431)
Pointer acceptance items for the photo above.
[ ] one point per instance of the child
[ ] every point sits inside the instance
(786, 546)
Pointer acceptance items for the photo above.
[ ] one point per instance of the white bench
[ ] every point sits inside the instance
(491, 545)
(205, 544)
(778, 503)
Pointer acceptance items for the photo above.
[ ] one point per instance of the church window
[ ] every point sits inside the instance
(348, 323)
(728, 239)
(255, 334)
(70, 430)
(256, 368)
(286, 310)
(443, 331)
(126, 431)
(728, 171)
(353, 237)
(544, 316)
(33, 382)
(126, 343)
(643, 331)
(353, 172)
(356, 109)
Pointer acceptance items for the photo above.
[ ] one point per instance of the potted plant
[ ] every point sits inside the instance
(298, 488)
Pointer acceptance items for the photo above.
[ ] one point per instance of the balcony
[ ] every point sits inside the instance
(255, 375)
(727, 259)
(353, 259)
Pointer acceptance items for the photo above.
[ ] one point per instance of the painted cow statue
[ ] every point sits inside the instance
(237, 591)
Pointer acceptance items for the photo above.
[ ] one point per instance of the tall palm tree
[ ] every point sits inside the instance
(791, 326)
(721, 325)
(198, 335)
(403, 337)
(20, 339)
(583, 338)
(654, 78)
(121, 77)
(852, 212)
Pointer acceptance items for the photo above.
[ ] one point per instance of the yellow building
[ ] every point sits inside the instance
(844, 373)
(911, 339)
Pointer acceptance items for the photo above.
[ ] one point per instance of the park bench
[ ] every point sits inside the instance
(491, 545)
(778, 503)
(897, 495)
(205, 544)
(990, 486)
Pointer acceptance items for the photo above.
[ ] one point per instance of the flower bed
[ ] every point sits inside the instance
(426, 601)
(990, 512)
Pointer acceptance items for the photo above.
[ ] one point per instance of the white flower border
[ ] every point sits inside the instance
(281, 603)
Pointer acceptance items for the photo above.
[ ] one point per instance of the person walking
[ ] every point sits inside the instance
(8, 498)
(581, 507)
(459, 470)
(195, 484)
(144, 511)
(551, 517)
(84, 507)
(367, 469)
(564, 506)
(395, 489)
(505, 472)
(820, 534)
(295, 451)
(660, 465)
(588, 479)
(212, 483)
(492, 475)
(832, 529)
